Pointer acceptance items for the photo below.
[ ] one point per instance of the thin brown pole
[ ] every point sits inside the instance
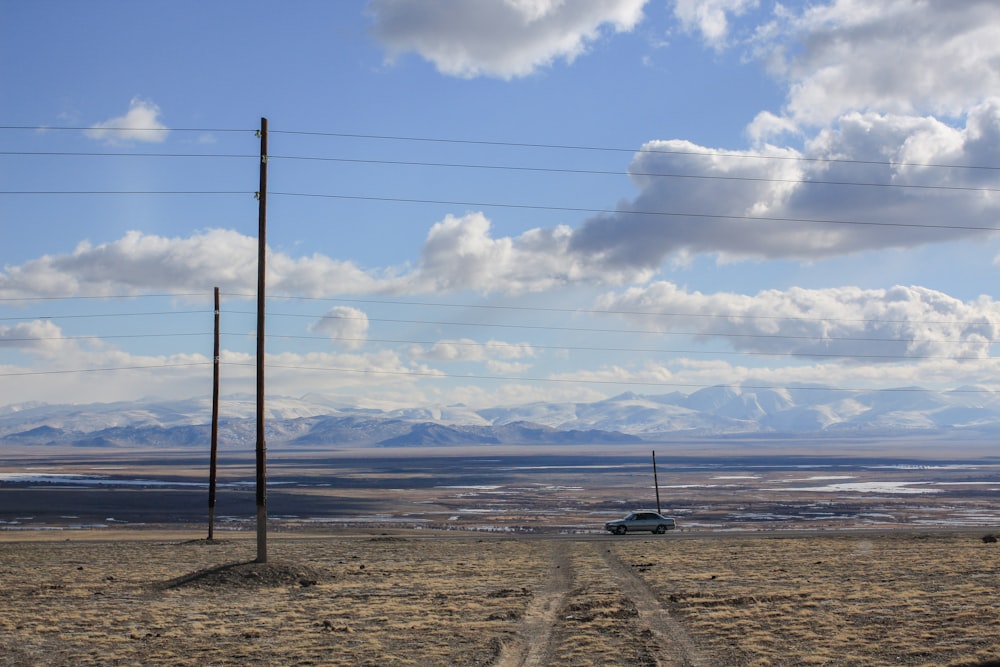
(656, 483)
(215, 425)
(261, 445)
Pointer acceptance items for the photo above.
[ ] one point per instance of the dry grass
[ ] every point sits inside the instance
(904, 598)
(833, 599)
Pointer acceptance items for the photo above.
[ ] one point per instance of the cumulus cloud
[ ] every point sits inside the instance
(140, 123)
(143, 262)
(711, 196)
(41, 337)
(461, 253)
(466, 349)
(500, 38)
(855, 325)
(347, 327)
(898, 56)
(710, 17)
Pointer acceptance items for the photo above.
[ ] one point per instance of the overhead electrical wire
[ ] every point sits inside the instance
(575, 348)
(512, 378)
(518, 144)
(597, 311)
(106, 154)
(499, 344)
(535, 207)
(56, 128)
(91, 315)
(545, 327)
(685, 385)
(514, 168)
(598, 172)
(107, 297)
(577, 209)
(103, 370)
(128, 192)
(513, 144)
(613, 331)
(464, 306)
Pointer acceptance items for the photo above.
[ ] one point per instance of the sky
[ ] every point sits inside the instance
(486, 202)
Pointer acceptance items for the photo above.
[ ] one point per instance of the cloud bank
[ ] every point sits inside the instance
(859, 326)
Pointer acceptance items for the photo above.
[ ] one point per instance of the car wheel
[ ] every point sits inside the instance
(620, 530)
(661, 529)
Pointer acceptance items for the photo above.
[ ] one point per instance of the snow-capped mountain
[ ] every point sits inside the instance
(318, 421)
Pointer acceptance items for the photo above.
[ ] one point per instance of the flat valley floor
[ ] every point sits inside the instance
(407, 597)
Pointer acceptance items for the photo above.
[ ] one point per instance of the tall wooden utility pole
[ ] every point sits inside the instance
(656, 483)
(261, 446)
(215, 425)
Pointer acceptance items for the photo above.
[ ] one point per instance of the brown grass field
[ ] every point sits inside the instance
(903, 597)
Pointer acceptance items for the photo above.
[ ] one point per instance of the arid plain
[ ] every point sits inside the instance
(139, 598)
(498, 558)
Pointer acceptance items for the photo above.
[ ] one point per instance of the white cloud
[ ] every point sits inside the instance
(141, 123)
(890, 152)
(347, 327)
(856, 326)
(466, 349)
(501, 38)
(710, 17)
(38, 336)
(460, 253)
(142, 262)
(896, 56)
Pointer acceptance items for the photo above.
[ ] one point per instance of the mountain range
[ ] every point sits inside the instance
(321, 421)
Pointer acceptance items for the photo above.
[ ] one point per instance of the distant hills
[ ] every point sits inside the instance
(321, 421)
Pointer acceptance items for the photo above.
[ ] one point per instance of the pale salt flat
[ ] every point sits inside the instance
(862, 487)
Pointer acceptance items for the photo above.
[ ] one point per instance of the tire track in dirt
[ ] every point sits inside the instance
(533, 646)
(676, 647)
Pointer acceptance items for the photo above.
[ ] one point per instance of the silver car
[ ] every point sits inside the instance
(638, 520)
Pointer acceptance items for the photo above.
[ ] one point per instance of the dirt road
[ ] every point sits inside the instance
(593, 605)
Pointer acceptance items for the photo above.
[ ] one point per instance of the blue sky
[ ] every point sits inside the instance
(498, 201)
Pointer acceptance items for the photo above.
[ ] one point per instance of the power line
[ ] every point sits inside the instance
(537, 207)
(500, 344)
(592, 311)
(719, 334)
(514, 144)
(90, 315)
(106, 154)
(32, 339)
(463, 306)
(572, 348)
(127, 192)
(510, 144)
(516, 168)
(616, 331)
(576, 209)
(47, 128)
(106, 297)
(556, 170)
(683, 385)
(103, 370)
